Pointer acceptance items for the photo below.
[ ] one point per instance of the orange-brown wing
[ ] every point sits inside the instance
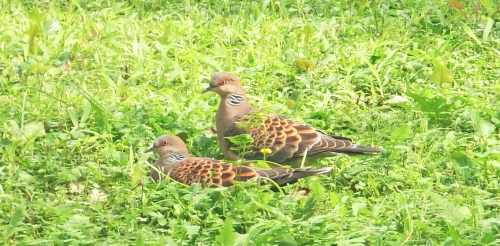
(211, 172)
(286, 139)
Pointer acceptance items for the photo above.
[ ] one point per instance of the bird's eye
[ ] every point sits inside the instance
(165, 143)
(223, 82)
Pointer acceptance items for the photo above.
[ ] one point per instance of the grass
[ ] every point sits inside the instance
(86, 86)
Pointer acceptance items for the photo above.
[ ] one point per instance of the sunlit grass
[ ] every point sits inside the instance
(89, 88)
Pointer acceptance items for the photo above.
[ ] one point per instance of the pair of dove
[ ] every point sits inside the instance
(289, 142)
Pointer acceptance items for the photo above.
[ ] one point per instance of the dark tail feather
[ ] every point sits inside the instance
(359, 150)
(301, 173)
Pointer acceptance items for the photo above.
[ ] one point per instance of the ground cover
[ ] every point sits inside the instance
(86, 86)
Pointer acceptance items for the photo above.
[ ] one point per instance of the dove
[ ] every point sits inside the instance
(288, 141)
(176, 162)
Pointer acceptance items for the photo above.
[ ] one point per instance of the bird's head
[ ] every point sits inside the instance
(168, 144)
(224, 84)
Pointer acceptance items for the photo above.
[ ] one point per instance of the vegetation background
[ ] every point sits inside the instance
(85, 87)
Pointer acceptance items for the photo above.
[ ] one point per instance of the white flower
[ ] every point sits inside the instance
(397, 99)
(55, 27)
(98, 196)
(76, 188)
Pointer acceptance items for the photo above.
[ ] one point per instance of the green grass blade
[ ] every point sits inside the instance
(469, 31)
(487, 29)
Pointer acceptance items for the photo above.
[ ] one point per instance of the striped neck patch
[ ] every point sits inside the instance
(235, 99)
(177, 157)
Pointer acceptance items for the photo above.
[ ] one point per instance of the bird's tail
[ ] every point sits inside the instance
(301, 173)
(358, 150)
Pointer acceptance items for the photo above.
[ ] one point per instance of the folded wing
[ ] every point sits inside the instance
(216, 173)
(287, 139)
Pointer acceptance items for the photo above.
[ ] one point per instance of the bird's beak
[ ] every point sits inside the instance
(206, 89)
(149, 150)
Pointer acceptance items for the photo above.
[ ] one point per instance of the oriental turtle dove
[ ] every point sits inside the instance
(176, 162)
(288, 141)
